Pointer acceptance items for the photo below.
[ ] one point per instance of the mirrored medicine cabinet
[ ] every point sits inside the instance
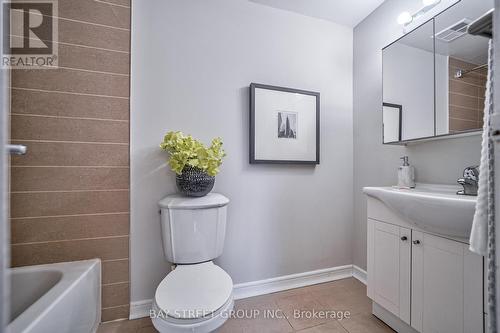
(434, 78)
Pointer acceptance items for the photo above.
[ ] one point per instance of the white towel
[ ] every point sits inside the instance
(479, 232)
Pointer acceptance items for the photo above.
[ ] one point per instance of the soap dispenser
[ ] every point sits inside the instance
(406, 174)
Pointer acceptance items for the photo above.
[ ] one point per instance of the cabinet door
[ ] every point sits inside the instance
(389, 267)
(446, 286)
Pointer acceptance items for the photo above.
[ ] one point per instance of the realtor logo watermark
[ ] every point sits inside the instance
(254, 314)
(30, 34)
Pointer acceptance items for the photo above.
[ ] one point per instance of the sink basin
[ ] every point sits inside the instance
(436, 208)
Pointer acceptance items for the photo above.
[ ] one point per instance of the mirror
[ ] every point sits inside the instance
(461, 69)
(408, 80)
(437, 75)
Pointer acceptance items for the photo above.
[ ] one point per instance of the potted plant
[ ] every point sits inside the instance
(194, 163)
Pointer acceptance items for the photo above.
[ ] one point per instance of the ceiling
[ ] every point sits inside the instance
(345, 12)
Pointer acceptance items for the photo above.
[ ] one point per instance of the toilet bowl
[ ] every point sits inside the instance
(197, 296)
(193, 298)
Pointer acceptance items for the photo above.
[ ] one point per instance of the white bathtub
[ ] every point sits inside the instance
(63, 297)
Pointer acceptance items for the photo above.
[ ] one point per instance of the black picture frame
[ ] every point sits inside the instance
(253, 160)
(400, 108)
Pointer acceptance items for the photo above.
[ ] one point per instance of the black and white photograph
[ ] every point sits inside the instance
(287, 125)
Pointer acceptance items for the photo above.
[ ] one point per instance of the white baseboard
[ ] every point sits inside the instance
(359, 273)
(141, 308)
(280, 283)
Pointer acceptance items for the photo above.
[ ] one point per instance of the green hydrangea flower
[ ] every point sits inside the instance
(185, 150)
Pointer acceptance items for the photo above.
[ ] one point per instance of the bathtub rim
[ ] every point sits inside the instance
(73, 272)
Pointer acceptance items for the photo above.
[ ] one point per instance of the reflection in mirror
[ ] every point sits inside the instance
(392, 117)
(438, 74)
(461, 69)
(408, 80)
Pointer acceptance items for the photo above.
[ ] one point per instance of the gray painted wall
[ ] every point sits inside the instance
(374, 163)
(192, 62)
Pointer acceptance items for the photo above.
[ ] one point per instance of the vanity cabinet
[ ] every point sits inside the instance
(429, 283)
(391, 263)
(446, 285)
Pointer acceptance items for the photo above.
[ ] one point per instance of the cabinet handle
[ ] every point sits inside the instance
(404, 238)
(416, 242)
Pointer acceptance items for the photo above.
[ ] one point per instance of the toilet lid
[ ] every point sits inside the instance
(194, 291)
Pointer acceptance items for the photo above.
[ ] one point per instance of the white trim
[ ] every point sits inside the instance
(280, 283)
(141, 308)
(359, 274)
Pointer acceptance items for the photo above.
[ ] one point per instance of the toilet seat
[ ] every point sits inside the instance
(193, 298)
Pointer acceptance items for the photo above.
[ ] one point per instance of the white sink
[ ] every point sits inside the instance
(436, 208)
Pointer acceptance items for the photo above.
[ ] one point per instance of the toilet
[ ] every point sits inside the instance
(197, 296)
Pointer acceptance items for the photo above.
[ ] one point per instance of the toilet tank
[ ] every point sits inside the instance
(193, 229)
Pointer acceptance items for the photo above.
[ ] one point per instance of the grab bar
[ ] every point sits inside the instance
(459, 73)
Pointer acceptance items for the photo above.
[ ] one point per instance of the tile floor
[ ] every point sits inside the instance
(342, 295)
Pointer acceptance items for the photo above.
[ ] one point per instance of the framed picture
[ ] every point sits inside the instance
(284, 125)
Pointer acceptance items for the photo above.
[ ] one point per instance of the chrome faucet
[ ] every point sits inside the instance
(469, 181)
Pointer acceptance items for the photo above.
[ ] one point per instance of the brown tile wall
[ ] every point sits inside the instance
(70, 193)
(466, 97)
